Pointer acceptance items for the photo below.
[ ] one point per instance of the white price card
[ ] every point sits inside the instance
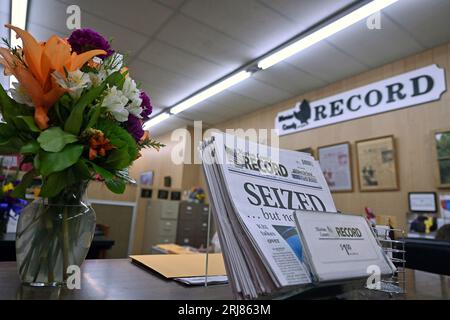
(339, 246)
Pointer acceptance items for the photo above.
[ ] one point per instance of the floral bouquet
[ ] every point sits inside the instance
(76, 115)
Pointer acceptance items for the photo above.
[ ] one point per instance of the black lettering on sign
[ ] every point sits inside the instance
(416, 85)
(395, 89)
(373, 98)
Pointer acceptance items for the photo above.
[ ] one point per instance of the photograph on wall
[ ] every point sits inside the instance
(335, 161)
(444, 202)
(377, 164)
(146, 178)
(442, 140)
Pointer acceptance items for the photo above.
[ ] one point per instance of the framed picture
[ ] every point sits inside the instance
(377, 164)
(307, 150)
(442, 152)
(146, 178)
(336, 164)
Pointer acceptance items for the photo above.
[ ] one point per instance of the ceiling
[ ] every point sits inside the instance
(176, 47)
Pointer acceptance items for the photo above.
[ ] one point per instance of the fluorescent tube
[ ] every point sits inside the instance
(154, 121)
(211, 91)
(19, 19)
(325, 32)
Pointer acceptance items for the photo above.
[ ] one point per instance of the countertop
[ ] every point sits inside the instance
(111, 279)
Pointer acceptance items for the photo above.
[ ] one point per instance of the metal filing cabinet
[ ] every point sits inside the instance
(192, 227)
(160, 223)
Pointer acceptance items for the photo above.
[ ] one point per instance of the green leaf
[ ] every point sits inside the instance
(11, 109)
(116, 185)
(31, 147)
(37, 162)
(55, 139)
(75, 120)
(115, 79)
(7, 130)
(56, 182)
(21, 188)
(122, 140)
(10, 145)
(105, 174)
(57, 161)
(26, 123)
(94, 115)
(118, 159)
(82, 169)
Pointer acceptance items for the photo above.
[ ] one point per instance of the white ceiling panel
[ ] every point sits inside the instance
(428, 21)
(124, 40)
(180, 61)
(205, 42)
(174, 4)
(42, 33)
(47, 17)
(260, 91)
(306, 12)
(326, 62)
(175, 86)
(375, 47)
(235, 100)
(177, 47)
(247, 21)
(142, 16)
(289, 78)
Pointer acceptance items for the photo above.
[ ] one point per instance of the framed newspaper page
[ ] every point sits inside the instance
(441, 150)
(340, 247)
(335, 161)
(377, 164)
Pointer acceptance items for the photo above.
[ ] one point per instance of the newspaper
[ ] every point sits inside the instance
(255, 190)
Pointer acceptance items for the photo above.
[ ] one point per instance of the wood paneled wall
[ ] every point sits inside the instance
(411, 127)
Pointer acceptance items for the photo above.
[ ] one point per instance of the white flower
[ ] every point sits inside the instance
(131, 91)
(97, 78)
(19, 94)
(75, 82)
(115, 102)
(116, 63)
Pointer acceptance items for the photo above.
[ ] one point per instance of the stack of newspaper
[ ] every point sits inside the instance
(254, 191)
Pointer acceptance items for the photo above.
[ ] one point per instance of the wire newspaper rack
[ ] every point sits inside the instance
(392, 243)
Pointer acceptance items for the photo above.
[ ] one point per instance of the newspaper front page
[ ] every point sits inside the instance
(265, 186)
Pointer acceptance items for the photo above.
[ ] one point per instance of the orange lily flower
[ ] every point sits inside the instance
(41, 60)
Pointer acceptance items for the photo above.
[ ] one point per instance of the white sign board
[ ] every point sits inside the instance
(339, 246)
(405, 90)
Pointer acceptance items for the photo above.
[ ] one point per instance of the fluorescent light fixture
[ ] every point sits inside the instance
(19, 19)
(155, 120)
(211, 91)
(325, 32)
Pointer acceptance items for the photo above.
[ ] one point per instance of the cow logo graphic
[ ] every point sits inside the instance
(301, 113)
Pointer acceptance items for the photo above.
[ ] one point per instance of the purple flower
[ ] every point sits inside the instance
(134, 127)
(82, 40)
(146, 106)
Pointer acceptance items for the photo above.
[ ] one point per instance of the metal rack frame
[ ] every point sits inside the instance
(395, 250)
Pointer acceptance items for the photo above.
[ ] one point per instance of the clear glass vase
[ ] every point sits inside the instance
(53, 234)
